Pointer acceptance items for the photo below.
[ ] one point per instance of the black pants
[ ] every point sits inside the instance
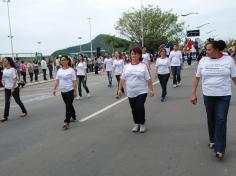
(44, 74)
(118, 81)
(16, 95)
(96, 70)
(31, 76)
(163, 81)
(24, 76)
(1, 85)
(36, 73)
(68, 98)
(81, 80)
(138, 109)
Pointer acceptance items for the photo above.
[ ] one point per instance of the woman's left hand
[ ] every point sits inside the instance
(75, 93)
(151, 93)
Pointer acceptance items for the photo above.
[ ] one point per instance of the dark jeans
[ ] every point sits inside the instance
(163, 81)
(109, 76)
(80, 79)
(50, 73)
(36, 73)
(96, 70)
(24, 76)
(176, 74)
(16, 96)
(31, 76)
(138, 109)
(44, 74)
(118, 81)
(68, 98)
(217, 109)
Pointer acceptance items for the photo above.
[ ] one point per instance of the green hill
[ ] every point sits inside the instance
(103, 41)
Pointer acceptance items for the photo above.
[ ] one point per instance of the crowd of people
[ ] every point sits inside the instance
(216, 68)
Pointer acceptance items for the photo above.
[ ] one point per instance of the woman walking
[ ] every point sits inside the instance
(30, 68)
(81, 68)
(23, 70)
(138, 83)
(11, 88)
(118, 66)
(108, 62)
(216, 71)
(162, 71)
(36, 70)
(66, 79)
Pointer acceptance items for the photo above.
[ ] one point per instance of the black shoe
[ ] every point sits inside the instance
(162, 99)
(219, 155)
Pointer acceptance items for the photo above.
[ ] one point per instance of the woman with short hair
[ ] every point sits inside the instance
(138, 83)
(217, 72)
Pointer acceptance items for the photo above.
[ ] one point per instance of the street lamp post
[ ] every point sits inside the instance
(9, 21)
(91, 45)
(142, 30)
(202, 25)
(80, 50)
(187, 14)
(210, 31)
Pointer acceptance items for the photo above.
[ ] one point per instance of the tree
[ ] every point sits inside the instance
(159, 27)
(115, 42)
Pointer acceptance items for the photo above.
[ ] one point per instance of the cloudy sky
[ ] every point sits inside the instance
(59, 23)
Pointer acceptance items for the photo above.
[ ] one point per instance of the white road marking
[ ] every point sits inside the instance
(108, 107)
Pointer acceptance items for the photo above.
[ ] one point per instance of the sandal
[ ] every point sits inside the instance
(211, 145)
(65, 126)
(220, 155)
(4, 119)
(23, 115)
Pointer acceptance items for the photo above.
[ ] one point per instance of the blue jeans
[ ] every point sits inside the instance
(109, 76)
(217, 109)
(80, 79)
(176, 74)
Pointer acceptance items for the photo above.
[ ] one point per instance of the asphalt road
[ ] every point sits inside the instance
(102, 144)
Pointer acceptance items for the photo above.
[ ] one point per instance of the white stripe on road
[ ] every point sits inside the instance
(106, 108)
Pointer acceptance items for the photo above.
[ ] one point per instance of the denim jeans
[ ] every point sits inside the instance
(163, 78)
(80, 79)
(16, 96)
(176, 74)
(217, 109)
(109, 76)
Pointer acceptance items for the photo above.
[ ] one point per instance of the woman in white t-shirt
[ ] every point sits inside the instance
(66, 79)
(81, 68)
(138, 83)
(108, 62)
(118, 66)
(11, 88)
(162, 71)
(216, 72)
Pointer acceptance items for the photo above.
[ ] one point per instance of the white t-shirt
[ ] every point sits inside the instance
(216, 75)
(81, 68)
(43, 64)
(8, 76)
(175, 58)
(136, 77)
(66, 78)
(146, 58)
(163, 65)
(118, 64)
(108, 63)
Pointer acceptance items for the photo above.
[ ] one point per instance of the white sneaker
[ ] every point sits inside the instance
(135, 128)
(175, 85)
(178, 83)
(88, 95)
(78, 97)
(142, 129)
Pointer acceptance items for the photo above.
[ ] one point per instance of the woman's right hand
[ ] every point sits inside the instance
(119, 93)
(193, 99)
